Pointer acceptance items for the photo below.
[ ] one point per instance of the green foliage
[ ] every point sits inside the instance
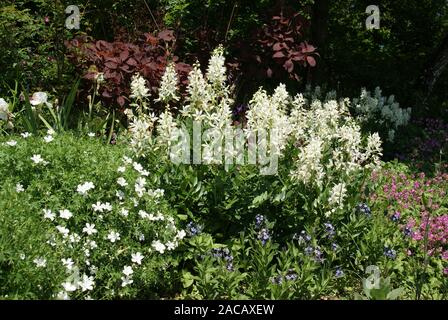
(32, 35)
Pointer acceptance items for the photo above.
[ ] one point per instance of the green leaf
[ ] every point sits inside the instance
(394, 294)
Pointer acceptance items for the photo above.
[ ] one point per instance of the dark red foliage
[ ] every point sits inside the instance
(119, 61)
(280, 47)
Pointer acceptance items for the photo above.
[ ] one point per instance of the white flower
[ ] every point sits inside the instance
(11, 143)
(4, 109)
(19, 188)
(63, 230)
(89, 229)
(158, 217)
(137, 258)
(120, 194)
(121, 169)
(63, 295)
(40, 262)
(113, 236)
(69, 286)
(137, 167)
(101, 207)
(124, 212)
(138, 87)
(337, 195)
(26, 135)
(65, 214)
(181, 234)
(168, 85)
(141, 237)
(68, 263)
(158, 246)
(158, 193)
(122, 182)
(126, 281)
(127, 271)
(143, 214)
(91, 134)
(87, 283)
(98, 207)
(74, 238)
(39, 98)
(49, 215)
(52, 241)
(93, 269)
(216, 72)
(170, 245)
(92, 244)
(84, 188)
(107, 206)
(139, 189)
(37, 158)
(48, 139)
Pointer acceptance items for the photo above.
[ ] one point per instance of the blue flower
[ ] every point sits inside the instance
(264, 236)
(318, 255)
(259, 221)
(339, 272)
(395, 217)
(407, 231)
(390, 253)
(329, 229)
(303, 237)
(309, 250)
(230, 267)
(193, 229)
(364, 208)
(277, 280)
(334, 246)
(291, 275)
(228, 258)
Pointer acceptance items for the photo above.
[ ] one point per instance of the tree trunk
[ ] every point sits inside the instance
(435, 69)
(319, 34)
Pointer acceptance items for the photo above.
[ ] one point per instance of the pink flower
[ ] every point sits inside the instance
(445, 255)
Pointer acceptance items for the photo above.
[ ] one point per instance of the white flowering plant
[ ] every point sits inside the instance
(318, 153)
(89, 223)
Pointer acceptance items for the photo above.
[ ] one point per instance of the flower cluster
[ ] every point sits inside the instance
(168, 85)
(331, 147)
(224, 254)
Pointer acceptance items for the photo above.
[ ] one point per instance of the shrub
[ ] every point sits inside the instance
(116, 62)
